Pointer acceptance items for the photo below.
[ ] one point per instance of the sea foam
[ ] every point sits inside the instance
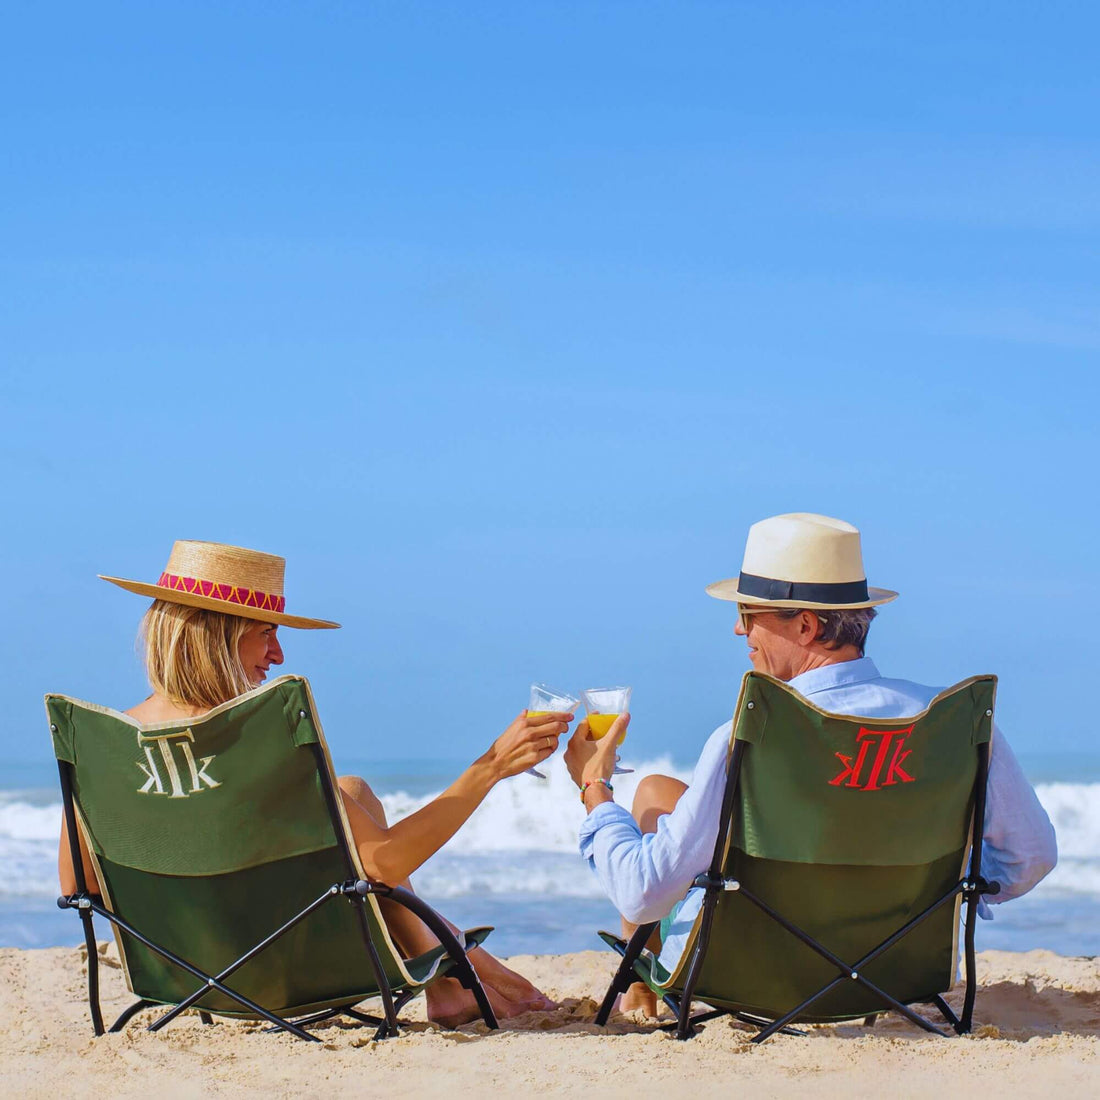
(523, 838)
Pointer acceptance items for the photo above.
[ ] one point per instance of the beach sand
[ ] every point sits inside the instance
(1037, 1034)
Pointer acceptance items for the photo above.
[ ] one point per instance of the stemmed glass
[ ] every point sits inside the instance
(604, 705)
(545, 700)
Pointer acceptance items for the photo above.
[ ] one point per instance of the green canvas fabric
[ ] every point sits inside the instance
(848, 827)
(203, 797)
(826, 788)
(209, 835)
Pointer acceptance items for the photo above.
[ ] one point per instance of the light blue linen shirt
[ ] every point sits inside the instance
(646, 875)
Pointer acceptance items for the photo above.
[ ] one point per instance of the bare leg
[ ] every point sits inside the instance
(448, 1003)
(409, 932)
(656, 795)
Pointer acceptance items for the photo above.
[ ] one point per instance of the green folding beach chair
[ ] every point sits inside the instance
(845, 849)
(228, 871)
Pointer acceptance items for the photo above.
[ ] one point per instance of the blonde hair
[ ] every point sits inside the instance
(191, 654)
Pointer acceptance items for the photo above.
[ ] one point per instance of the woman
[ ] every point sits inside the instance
(212, 634)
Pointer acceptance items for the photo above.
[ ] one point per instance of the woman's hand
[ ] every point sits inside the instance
(589, 760)
(528, 741)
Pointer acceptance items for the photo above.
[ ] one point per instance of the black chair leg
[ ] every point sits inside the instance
(463, 969)
(701, 1018)
(761, 1022)
(129, 1014)
(684, 1024)
(332, 1014)
(758, 1022)
(305, 1021)
(361, 1017)
(93, 971)
(947, 1013)
(619, 984)
(625, 976)
(206, 1018)
(385, 1029)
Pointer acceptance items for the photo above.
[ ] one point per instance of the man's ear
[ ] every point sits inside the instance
(809, 626)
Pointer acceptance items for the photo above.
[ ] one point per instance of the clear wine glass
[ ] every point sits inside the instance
(604, 705)
(544, 700)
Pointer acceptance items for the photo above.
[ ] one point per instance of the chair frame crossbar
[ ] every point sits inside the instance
(972, 887)
(353, 889)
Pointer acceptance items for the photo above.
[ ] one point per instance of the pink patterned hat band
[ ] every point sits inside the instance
(245, 597)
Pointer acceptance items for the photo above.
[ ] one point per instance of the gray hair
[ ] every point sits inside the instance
(844, 626)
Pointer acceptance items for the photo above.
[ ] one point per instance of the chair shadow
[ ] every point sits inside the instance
(1015, 1011)
(1022, 1010)
(572, 1015)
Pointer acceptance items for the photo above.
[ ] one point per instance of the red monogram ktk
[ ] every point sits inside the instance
(886, 745)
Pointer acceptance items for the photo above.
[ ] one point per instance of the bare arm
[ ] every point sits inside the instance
(65, 871)
(390, 854)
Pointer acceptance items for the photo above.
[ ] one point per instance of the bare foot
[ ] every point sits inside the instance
(451, 1005)
(639, 997)
(515, 987)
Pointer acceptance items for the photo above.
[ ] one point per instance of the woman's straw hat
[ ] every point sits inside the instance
(229, 579)
(802, 560)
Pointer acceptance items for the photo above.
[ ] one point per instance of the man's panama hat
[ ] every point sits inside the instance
(802, 560)
(229, 579)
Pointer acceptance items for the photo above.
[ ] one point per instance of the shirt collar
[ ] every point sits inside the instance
(832, 676)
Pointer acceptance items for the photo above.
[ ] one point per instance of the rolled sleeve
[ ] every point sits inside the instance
(644, 875)
(1019, 848)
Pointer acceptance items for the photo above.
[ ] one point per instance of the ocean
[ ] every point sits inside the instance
(515, 864)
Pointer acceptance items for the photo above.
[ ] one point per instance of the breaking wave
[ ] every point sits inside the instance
(523, 838)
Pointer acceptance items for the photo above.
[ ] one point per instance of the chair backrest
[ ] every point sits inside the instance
(209, 834)
(849, 827)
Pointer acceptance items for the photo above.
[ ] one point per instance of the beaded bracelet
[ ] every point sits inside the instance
(593, 782)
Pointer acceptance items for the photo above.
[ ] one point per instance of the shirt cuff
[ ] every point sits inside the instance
(606, 813)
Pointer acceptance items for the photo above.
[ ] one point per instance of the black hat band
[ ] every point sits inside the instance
(767, 588)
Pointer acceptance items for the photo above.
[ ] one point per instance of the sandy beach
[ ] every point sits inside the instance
(1038, 1034)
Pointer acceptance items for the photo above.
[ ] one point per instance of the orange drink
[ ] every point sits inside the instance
(599, 725)
(604, 705)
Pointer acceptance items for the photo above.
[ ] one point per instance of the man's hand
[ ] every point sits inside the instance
(589, 760)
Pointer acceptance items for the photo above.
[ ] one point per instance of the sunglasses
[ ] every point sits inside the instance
(746, 611)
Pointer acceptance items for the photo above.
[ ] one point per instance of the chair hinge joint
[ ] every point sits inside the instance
(74, 901)
(706, 882)
(355, 887)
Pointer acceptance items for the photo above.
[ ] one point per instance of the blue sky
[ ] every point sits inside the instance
(502, 322)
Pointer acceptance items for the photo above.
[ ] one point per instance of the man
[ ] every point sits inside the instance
(804, 609)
